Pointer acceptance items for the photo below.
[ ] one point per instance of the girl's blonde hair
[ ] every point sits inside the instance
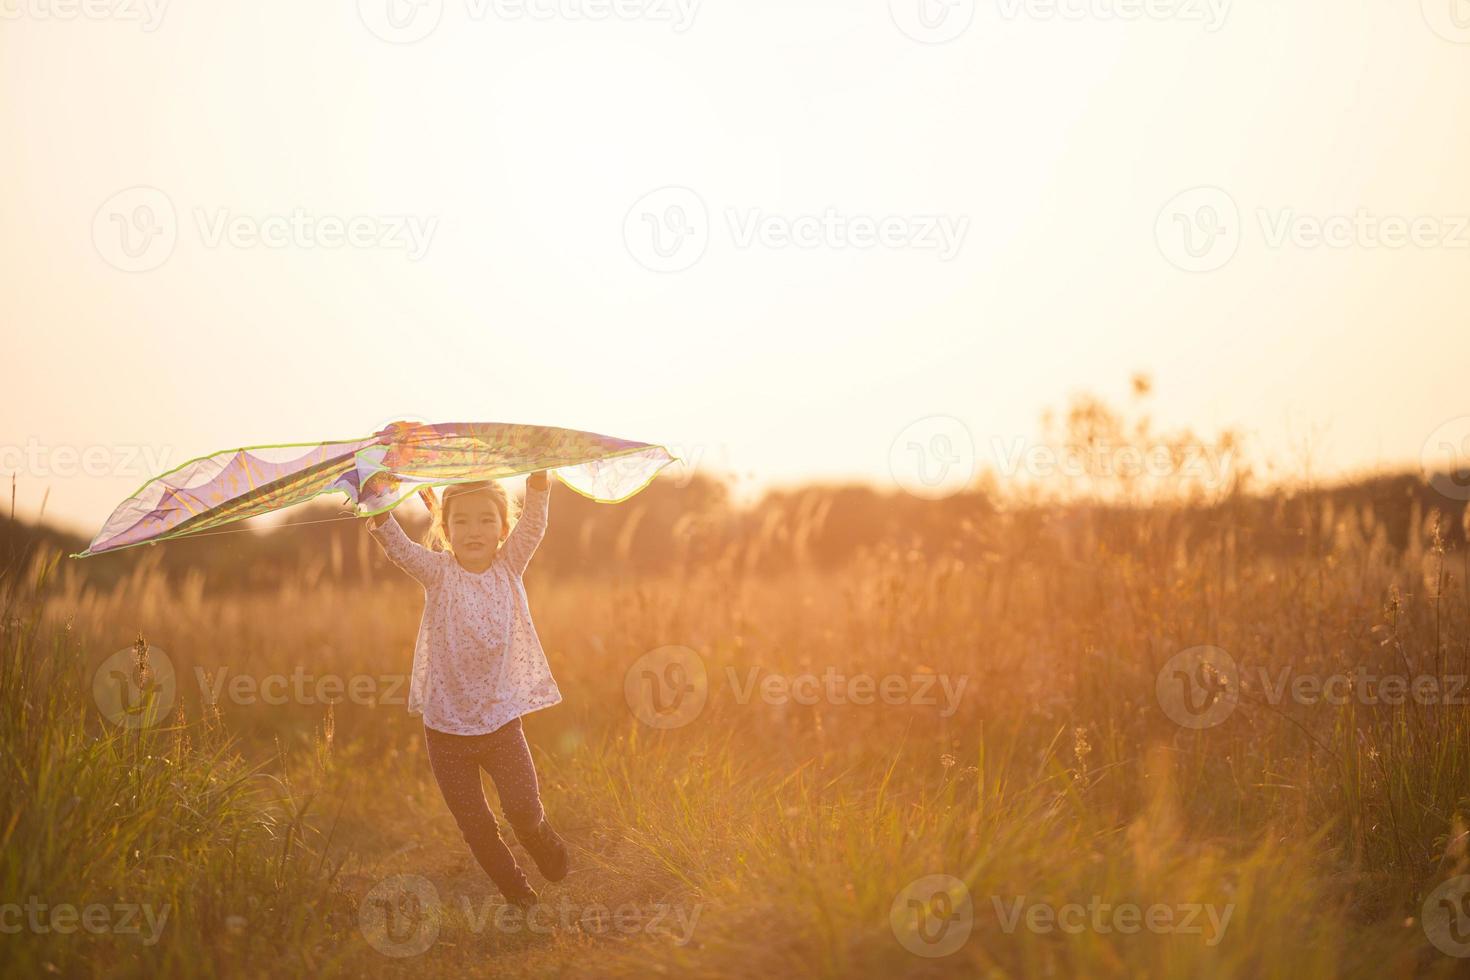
(437, 537)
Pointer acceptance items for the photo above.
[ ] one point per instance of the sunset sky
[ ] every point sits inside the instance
(986, 224)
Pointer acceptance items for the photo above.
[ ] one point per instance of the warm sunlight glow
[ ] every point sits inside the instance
(493, 164)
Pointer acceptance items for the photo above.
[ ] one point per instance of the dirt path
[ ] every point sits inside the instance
(421, 903)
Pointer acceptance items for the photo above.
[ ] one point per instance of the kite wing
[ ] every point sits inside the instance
(605, 469)
(376, 473)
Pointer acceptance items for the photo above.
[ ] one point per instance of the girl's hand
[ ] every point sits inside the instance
(538, 480)
(376, 521)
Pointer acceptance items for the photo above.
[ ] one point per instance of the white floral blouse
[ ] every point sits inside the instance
(477, 662)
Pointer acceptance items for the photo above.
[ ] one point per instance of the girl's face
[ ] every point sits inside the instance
(475, 530)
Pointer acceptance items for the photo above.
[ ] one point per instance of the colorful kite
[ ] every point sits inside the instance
(377, 473)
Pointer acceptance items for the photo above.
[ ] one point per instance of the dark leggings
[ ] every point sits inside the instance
(504, 754)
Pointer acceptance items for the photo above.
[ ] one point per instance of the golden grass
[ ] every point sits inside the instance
(789, 830)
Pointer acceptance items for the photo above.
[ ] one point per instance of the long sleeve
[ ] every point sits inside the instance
(523, 539)
(414, 559)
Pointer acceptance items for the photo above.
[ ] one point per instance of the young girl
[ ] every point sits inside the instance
(478, 666)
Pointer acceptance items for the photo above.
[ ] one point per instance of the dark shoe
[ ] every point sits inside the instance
(523, 900)
(547, 849)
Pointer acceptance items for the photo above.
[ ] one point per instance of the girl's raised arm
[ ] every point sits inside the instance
(413, 558)
(521, 543)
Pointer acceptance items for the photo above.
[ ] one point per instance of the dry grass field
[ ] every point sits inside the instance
(1070, 742)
